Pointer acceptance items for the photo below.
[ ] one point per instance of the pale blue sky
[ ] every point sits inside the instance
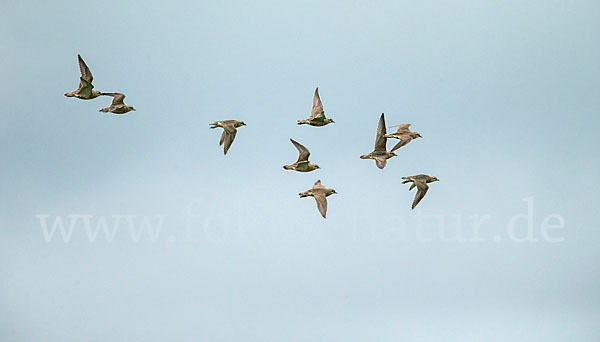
(504, 93)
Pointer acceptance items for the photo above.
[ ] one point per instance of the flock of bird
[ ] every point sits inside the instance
(317, 118)
(86, 91)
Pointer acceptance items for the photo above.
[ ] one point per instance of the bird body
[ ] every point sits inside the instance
(229, 132)
(317, 115)
(302, 164)
(85, 91)
(380, 153)
(404, 134)
(420, 181)
(117, 106)
(320, 193)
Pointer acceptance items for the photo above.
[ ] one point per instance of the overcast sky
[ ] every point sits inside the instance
(504, 93)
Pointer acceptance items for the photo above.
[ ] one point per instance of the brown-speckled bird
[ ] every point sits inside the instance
(85, 91)
(320, 193)
(380, 154)
(229, 131)
(317, 114)
(117, 106)
(302, 164)
(420, 181)
(404, 134)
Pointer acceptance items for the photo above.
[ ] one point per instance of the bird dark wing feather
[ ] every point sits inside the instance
(117, 98)
(303, 152)
(86, 74)
(380, 140)
(228, 140)
(403, 141)
(321, 202)
(317, 107)
(422, 188)
(402, 128)
(222, 138)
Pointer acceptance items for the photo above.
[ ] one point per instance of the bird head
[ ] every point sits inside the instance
(364, 156)
(333, 192)
(131, 108)
(435, 179)
(417, 135)
(328, 120)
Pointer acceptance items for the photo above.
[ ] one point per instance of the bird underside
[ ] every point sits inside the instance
(302, 166)
(119, 110)
(312, 122)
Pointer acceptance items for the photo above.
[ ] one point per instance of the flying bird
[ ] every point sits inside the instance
(117, 106)
(320, 193)
(420, 181)
(317, 115)
(85, 91)
(302, 164)
(229, 132)
(380, 153)
(404, 134)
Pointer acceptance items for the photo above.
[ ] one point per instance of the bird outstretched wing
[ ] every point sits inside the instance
(317, 107)
(321, 200)
(402, 128)
(380, 139)
(86, 74)
(422, 188)
(303, 152)
(403, 141)
(117, 98)
(228, 140)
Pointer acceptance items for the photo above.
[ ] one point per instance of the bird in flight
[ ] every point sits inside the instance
(85, 91)
(320, 193)
(404, 134)
(302, 164)
(229, 131)
(380, 153)
(117, 106)
(420, 181)
(317, 114)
